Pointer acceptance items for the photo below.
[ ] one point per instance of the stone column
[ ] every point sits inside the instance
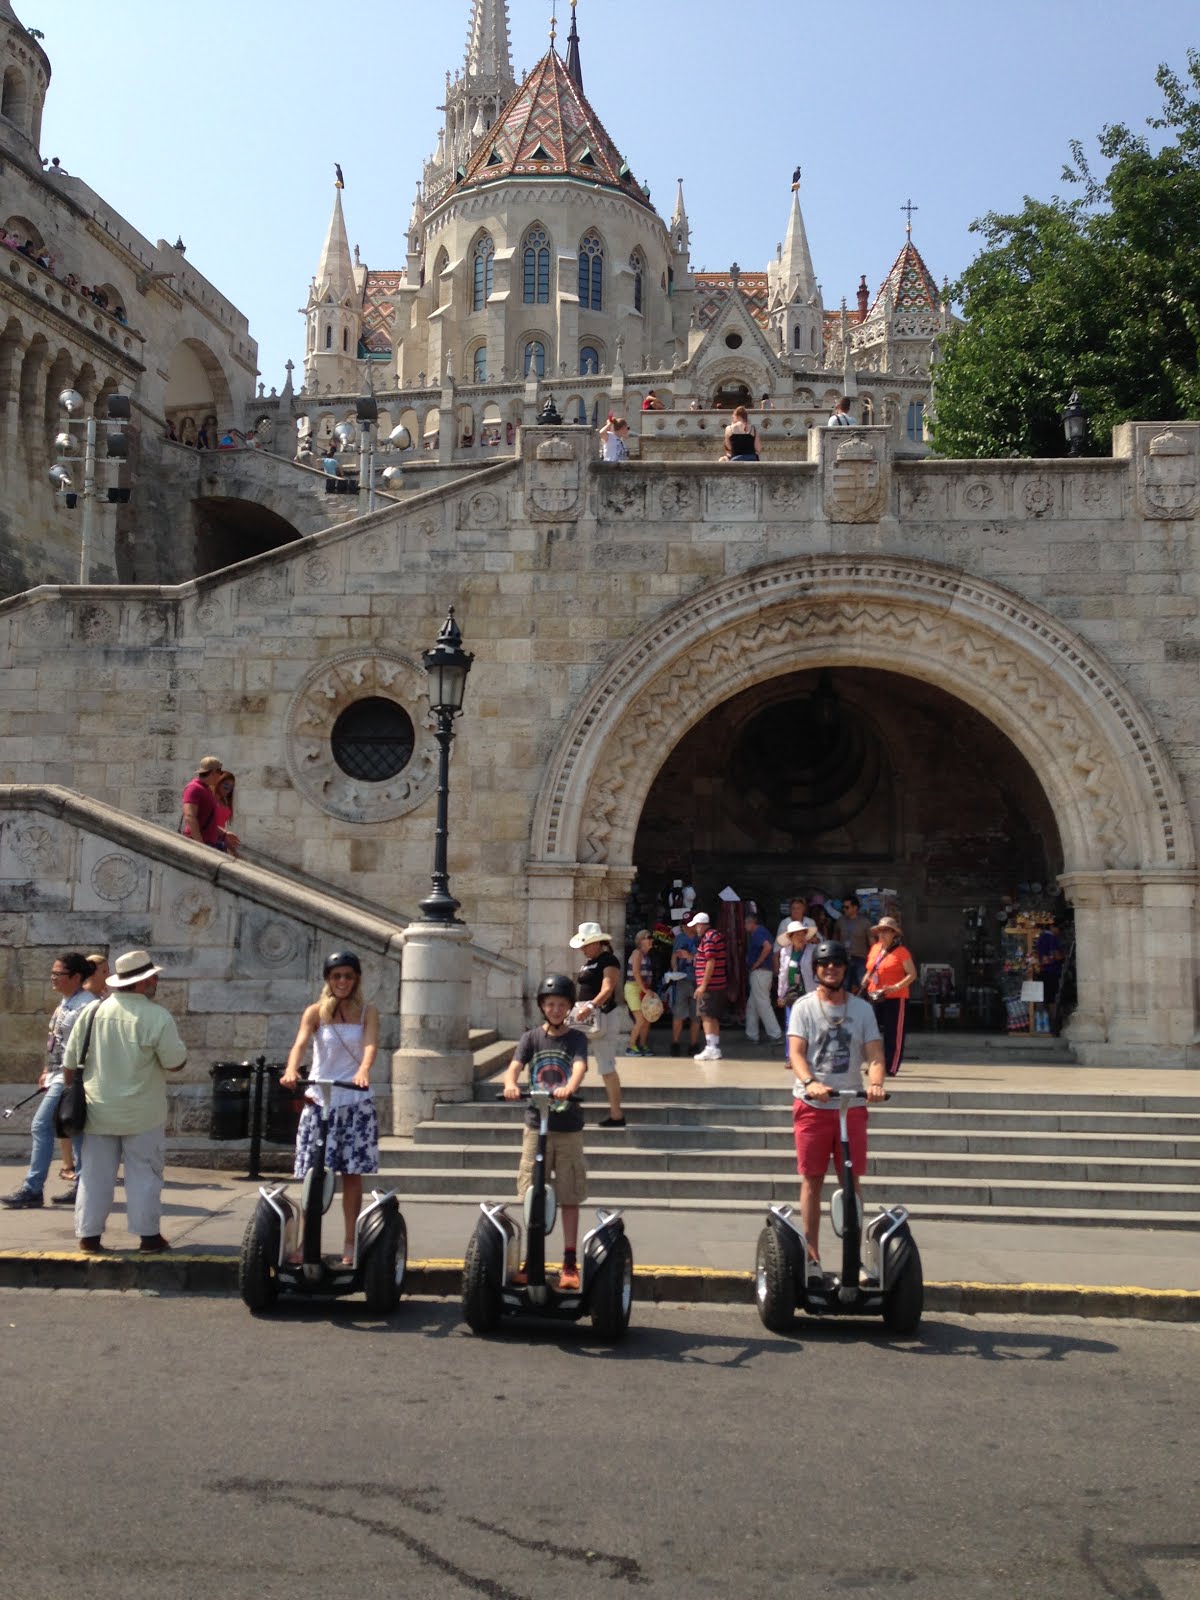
(1089, 1022)
(434, 1061)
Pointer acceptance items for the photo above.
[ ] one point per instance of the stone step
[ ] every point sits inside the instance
(929, 1211)
(705, 1098)
(772, 1136)
(612, 1155)
(720, 1187)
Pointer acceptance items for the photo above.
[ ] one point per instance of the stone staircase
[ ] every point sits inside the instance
(979, 1155)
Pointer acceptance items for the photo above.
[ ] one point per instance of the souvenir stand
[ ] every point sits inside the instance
(1023, 989)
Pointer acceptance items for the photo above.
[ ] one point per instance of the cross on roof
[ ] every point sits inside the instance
(910, 208)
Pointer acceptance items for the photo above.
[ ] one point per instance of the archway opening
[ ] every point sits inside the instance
(196, 388)
(731, 393)
(229, 530)
(828, 783)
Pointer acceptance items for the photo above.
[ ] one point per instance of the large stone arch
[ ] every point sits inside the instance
(1126, 836)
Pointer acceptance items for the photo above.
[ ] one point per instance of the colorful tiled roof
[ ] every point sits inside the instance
(911, 283)
(378, 303)
(549, 130)
(714, 288)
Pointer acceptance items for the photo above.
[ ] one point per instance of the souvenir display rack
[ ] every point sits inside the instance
(1020, 967)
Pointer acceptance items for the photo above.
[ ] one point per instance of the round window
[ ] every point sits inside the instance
(733, 341)
(373, 739)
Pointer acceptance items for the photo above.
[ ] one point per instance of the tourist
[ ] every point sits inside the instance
(854, 931)
(597, 980)
(556, 1056)
(613, 437)
(199, 820)
(766, 403)
(741, 440)
(124, 1049)
(798, 912)
(223, 798)
(683, 990)
(890, 975)
(841, 417)
(712, 977)
(830, 1034)
(344, 1032)
(639, 981)
(759, 952)
(651, 402)
(68, 975)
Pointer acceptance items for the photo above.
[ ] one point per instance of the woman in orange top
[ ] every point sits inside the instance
(890, 973)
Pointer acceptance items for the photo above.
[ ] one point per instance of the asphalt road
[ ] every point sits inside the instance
(178, 1447)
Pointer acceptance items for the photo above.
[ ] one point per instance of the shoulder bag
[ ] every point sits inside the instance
(71, 1114)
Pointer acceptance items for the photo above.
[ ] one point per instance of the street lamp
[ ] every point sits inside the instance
(366, 411)
(116, 448)
(447, 665)
(1075, 424)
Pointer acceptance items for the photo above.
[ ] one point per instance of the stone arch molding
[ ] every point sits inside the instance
(1093, 747)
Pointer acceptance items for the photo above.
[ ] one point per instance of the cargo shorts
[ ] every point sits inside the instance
(564, 1165)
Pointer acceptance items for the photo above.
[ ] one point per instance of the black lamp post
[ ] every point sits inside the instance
(1075, 424)
(447, 665)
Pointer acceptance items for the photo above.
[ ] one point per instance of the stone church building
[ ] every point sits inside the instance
(851, 664)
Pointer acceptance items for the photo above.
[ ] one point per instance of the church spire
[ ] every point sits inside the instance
(335, 271)
(681, 231)
(796, 268)
(574, 65)
(488, 51)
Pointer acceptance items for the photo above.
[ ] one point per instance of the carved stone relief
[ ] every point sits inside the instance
(316, 706)
(854, 478)
(1168, 474)
(96, 624)
(679, 498)
(622, 498)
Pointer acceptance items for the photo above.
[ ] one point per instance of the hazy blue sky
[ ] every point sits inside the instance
(223, 123)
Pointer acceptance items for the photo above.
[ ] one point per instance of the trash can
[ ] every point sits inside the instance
(283, 1107)
(230, 1117)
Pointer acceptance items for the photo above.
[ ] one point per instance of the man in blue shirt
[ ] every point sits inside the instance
(683, 989)
(759, 951)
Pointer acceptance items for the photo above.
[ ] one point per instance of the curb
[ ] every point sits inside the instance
(193, 1273)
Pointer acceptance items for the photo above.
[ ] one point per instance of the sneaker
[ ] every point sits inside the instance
(568, 1280)
(633, 1050)
(707, 1054)
(611, 1122)
(67, 1198)
(22, 1200)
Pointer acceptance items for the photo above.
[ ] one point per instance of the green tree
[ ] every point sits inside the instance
(1100, 293)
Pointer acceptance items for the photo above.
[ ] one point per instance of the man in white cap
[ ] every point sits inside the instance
(125, 1047)
(712, 978)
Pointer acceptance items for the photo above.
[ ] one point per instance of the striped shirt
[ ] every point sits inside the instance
(711, 948)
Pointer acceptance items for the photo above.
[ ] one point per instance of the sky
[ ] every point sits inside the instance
(222, 125)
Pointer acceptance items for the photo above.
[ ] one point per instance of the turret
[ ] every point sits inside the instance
(24, 79)
(334, 312)
(681, 232)
(475, 97)
(799, 316)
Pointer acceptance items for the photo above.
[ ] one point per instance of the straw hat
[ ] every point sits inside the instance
(888, 925)
(589, 933)
(135, 966)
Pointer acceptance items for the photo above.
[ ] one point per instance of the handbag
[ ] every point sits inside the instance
(71, 1112)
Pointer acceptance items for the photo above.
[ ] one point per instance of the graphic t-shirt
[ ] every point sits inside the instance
(837, 1039)
(551, 1060)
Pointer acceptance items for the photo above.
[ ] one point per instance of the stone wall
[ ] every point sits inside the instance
(609, 607)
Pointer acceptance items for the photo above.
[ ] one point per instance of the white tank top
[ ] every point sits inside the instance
(337, 1055)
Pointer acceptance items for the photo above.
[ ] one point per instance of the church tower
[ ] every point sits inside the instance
(474, 98)
(794, 294)
(24, 79)
(334, 313)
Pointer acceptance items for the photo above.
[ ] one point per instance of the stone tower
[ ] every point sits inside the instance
(794, 295)
(24, 79)
(474, 97)
(334, 313)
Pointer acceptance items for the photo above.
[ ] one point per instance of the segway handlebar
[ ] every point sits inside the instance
(336, 1083)
(844, 1094)
(563, 1099)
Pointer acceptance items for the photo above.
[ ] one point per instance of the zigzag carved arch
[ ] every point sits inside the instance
(1094, 748)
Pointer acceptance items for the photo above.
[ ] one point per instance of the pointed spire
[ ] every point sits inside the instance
(796, 261)
(335, 271)
(681, 232)
(574, 65)
(488, 51)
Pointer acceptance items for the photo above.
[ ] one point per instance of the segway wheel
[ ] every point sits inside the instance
(774, 1286)
(481, 1281)
(385, 1268)
(612, 1298)
(257, 1283)
(905, 1298)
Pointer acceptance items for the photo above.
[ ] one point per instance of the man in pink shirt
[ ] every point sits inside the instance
(200, 807)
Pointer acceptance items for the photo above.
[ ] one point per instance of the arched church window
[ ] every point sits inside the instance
(443, 261)
(345, 338)
(535, 358)
(12, 98)
(328, 337)
(796, 337)
(915, 426)
(482, 264)
(638, 267)
(589, 361)
(868, 410)
(591, 273)
(479, 365)
(536, 264)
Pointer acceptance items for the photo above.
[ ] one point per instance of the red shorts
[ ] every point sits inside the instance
(817, 1139)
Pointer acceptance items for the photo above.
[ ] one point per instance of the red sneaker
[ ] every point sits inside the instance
(568, 1280)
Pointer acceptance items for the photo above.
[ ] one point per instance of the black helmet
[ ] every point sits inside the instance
(556, 983)
(342, 958)
(831, 950)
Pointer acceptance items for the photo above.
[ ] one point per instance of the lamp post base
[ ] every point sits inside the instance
(434, 1061)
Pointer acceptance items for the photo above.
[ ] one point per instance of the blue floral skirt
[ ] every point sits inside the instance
(353, 1143)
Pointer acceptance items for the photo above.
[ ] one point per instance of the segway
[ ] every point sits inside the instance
(493, 1259)
(279, 1229)
(883, 1279)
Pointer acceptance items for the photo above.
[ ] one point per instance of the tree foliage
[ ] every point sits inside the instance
(1099, 292)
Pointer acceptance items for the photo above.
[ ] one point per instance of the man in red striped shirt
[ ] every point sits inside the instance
(711, 979)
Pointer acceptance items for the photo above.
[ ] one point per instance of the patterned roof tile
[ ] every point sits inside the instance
(714, 288)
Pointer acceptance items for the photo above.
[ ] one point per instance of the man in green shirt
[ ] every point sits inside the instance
(124, 1055)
